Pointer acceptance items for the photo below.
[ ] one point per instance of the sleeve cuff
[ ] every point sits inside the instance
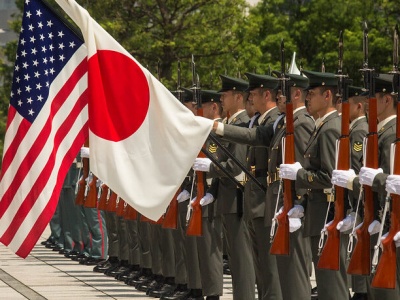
(220, 129)
(349, 184)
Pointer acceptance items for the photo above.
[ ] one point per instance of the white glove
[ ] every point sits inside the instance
(289, 171)
(85, 152)
(207, 199)
(296, 211)
(367, 175)
(374, 227)
(347, 223)
(393, 184)
(396, 239)
(342, 177)
(202, 164)
(183, 196)
(294, 224)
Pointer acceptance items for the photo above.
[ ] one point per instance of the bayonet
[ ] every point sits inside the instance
(179, 90)
(323, 65)
(395, 71)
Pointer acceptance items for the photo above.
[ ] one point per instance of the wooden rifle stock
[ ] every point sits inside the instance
(91, 197)
(385, 276)
(130, 213)
(120, 207)
(194, 226)
(281, 244)
(330, 256)
(80, 196)
(112, 202)
(171, 216)
(104, 195)
(360, 262)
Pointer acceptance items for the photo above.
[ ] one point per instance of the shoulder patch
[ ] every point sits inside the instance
(212, 148)
(357, 146)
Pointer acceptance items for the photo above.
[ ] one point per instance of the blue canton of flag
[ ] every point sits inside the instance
(45, 45)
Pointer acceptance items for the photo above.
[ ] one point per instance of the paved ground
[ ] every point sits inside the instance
(45, 274)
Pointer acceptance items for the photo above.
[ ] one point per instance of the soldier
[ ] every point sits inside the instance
(293, 270)
(376, 178)
(188, 282)
(209, 245)
(315, 175)
(358, 131)
(262, 89)
(229, 202)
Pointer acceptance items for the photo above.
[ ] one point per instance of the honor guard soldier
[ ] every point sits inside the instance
(315, 175)
(230, 198)
(358, 131)
(376, 178)
(209, 245)
(262, 94)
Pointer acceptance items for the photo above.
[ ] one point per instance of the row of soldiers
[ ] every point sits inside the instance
(172, 265)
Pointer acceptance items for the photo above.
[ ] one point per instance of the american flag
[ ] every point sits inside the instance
(47, 125)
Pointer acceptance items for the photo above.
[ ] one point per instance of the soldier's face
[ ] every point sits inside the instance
(208, 111)
(316, 101)
(257, 97)
(227, 100)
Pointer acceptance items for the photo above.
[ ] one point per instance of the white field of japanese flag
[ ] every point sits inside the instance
(142, 140)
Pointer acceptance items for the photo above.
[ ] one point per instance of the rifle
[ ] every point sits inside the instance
(330, 255)
(385, 276)
(360, 262)
(112, 202)
(194, 226)
(281, 244)
(104, 195)
(91, 193)
(120, 207)
(129, 212)
(80, 195)
(171, 216)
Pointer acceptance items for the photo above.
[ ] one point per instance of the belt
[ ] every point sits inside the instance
(256, 173)
(329, 193)
(273, 176)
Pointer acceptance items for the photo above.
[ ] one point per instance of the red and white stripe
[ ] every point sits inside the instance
(37, 157)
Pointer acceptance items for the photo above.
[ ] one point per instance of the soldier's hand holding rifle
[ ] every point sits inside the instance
(183, 196)
(202, 164)
(343, 178)
(295, 214)
(289, 171)
(85, 151)
(393, 184)
(367, 175)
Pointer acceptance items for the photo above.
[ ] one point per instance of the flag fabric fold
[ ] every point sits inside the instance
(142, 140)
(47, 125)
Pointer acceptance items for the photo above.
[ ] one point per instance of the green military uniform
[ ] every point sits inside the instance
(316, 176)
(386, 136)
(358, 131)
(268, 285)
(230, 204)
(209, 245)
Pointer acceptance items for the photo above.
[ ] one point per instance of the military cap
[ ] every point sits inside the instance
(210, 96)
(262, 81)
(187, 95)
(317, 79)
(298, 80)
(232, 84)
(384, 83)
(356, 91)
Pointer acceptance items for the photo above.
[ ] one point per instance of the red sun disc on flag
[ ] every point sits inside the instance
(119, 95)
